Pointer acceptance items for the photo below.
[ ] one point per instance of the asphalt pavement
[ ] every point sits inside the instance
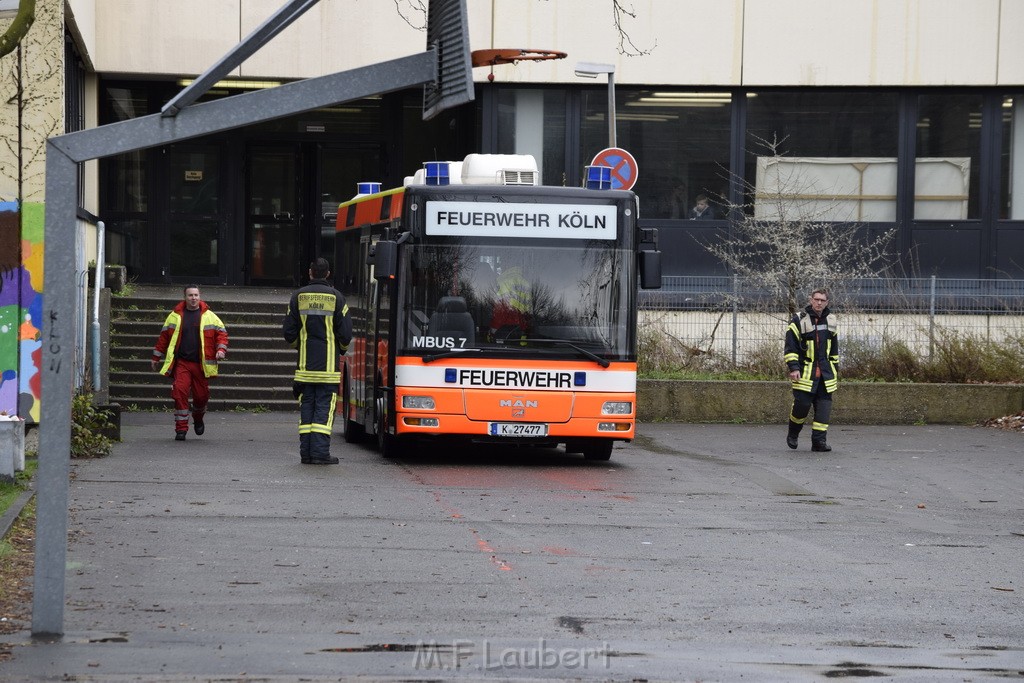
(700, 552)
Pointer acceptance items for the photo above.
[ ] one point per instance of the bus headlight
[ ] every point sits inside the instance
(617, 408)
(418, 402)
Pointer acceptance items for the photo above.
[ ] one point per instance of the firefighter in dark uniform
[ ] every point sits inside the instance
(319, 326)
(812, 356)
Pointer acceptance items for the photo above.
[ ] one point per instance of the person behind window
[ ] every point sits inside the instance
(512, 305)
(702, 210)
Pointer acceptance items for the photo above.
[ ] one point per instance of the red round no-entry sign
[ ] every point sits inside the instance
(623, 165)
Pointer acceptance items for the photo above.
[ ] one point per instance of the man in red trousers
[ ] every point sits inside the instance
(191, 343)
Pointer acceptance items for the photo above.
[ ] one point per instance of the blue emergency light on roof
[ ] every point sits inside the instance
(367, 188)
(597, 177)
(437, 173)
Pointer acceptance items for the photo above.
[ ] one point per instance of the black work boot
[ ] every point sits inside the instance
(330, 460)
(818, 444)
(794, 433)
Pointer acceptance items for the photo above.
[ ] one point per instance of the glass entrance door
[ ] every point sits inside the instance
(341, 169)
(293, 192)
(274, 216)
(194, 214)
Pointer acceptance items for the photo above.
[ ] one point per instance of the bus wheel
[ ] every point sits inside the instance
(598, 449)
(386, 443)
(353, 431)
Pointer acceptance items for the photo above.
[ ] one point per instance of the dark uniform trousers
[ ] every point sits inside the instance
(802, 402)
(316, 418)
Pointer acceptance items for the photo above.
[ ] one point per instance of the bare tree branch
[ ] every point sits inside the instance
(19, 27)
(413, 12)
(626, 46)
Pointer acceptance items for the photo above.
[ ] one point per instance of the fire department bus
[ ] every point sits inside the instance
(489, 309)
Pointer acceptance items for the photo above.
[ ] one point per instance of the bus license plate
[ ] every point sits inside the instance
(517, 429)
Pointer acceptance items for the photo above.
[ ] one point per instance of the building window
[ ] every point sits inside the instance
(822, 155)
(449, 136)
(948, 165)
(128, 244)
(679, 138)
(532, 121)
(1011, 186)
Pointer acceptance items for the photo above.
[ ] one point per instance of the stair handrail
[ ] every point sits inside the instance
(97, 379)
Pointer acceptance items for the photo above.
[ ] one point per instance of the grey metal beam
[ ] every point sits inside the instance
(250, 108)
(58, 340)
(247, 48)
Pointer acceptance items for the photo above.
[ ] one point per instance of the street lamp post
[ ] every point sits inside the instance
(591, 70)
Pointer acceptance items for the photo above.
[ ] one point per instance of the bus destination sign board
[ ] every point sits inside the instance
(494, 219)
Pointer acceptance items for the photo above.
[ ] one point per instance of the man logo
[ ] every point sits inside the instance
(517, 403)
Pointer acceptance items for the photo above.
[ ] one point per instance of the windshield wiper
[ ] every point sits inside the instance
(579, 349)
(590, 355)
(448, 354)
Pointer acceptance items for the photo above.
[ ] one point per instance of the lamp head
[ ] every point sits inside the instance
(593, 69)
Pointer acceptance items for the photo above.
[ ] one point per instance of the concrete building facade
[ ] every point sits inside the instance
(904, 113)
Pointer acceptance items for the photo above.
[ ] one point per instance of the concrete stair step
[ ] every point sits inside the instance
(267, 381)
(246, 354)
(254, 394)
(217, 403)
(134, 341)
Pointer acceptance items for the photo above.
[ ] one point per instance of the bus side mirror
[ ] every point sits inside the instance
(650, 269)
(385, 259)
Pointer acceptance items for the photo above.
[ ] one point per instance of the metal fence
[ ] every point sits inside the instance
(730, 317)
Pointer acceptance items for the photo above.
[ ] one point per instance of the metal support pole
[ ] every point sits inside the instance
(101, 269)
(58, 340)
(611, 109)
(735, 316)
(931, 322)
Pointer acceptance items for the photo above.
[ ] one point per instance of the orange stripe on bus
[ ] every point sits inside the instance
(378, 208)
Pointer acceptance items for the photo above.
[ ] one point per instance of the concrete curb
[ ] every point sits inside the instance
(14, 511)
(863, 403)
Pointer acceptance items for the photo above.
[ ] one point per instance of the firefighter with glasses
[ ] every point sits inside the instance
(812, 356)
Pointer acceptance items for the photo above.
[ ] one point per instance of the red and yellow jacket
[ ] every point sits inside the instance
(214, 336)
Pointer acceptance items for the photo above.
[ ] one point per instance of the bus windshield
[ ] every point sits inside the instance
(533, 296)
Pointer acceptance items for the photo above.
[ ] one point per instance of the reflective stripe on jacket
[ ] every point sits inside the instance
(812, 343)
(213, 336)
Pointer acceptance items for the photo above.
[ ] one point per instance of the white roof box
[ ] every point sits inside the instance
(499, 169)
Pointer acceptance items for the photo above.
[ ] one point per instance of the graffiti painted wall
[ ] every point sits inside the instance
(31, 110)
(21, 303)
